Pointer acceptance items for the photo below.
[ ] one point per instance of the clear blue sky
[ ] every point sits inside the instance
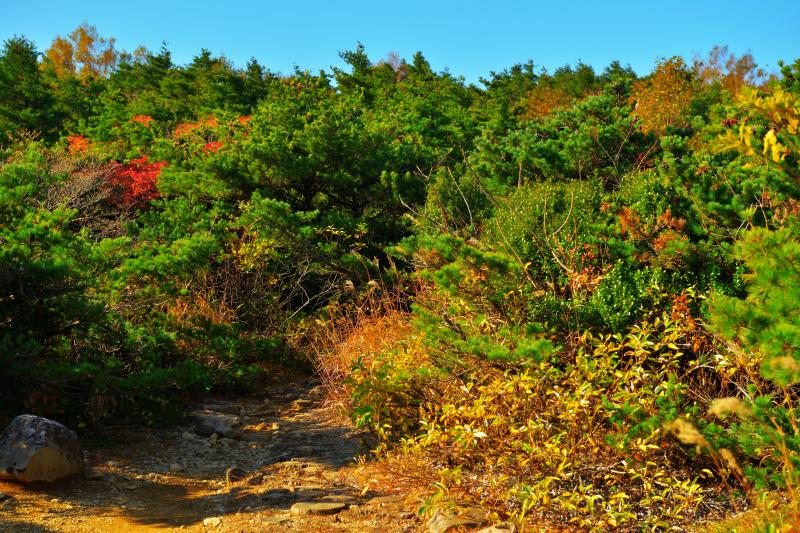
(469, 38)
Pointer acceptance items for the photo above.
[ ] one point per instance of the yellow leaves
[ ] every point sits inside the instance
(781, 109)
(553, 437)
(252, 254)
(544, 99)
(60, 54)
(792, 124)
(644, 446)
(663, 99)
(776, 149)
(83, 53)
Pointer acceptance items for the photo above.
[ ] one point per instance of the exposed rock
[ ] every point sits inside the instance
(340, 498)
(306, 451)
(317, 508)
(277, 495)
(388, 499)
(210, 423)
(444, 520)
(33, 448)
(503, 527)
(277, 521)
(191, 437)
(213, 521)
(176, 467)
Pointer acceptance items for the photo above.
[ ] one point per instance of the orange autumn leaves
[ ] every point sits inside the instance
(663, 234)
(77, 144)
(83, 53)
(664, 98)
(144, 120)
(202, 129)
(544, 99)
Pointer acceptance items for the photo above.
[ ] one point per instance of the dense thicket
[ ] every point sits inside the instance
(586, 262)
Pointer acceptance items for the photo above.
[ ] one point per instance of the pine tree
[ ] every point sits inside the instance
(26, 102)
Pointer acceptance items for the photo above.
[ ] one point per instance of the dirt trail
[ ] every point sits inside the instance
(290, 451)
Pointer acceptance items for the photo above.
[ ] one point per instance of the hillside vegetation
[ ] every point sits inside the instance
(572, 298)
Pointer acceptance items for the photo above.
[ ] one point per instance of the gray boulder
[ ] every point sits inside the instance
(208, 422)
(33, 448)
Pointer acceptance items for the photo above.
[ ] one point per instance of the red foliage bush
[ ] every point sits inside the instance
(135, 183)
(145, 120)
(213, 146)
(188, 127)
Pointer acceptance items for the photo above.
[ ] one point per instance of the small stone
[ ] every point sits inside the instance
(444, 520)
(213, 521)
(317, 508)
(176, 467)
(276, 426)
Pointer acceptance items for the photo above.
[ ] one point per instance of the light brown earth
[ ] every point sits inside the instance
(292, 450)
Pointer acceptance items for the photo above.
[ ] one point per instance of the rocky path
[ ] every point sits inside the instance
(278, 463)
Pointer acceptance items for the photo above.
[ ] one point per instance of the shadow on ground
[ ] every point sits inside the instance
(289, 451)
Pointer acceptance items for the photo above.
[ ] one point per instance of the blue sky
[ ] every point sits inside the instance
(470, 38)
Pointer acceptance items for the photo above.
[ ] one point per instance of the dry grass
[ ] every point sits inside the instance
(375, 322)
(772, 515)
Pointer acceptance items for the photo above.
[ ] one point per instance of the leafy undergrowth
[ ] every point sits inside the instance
(589, 436)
